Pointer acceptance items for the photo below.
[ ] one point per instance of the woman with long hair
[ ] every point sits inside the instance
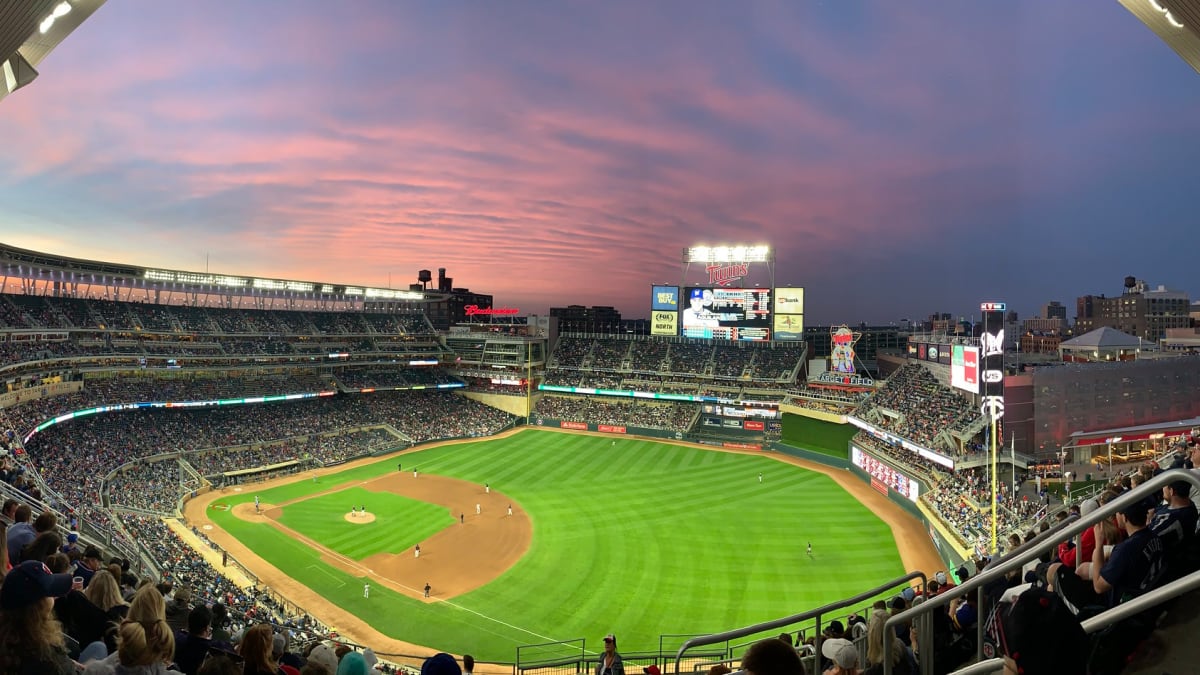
(255, 647)
(31, 639)
(145, 643)
(105, 593)
(875, 638)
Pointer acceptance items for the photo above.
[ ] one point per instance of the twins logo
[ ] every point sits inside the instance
(723, 275)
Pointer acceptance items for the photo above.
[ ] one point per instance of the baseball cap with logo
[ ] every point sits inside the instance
(31, 581)
(696, 293)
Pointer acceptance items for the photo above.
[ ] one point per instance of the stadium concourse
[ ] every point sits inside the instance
(108, 485)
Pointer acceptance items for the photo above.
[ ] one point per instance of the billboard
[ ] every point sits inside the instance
(964, 368)
(789, 300)
(727, 313)
(789, 314)
(885, 474)
(664, 323)
(664, 298)
(789, 327)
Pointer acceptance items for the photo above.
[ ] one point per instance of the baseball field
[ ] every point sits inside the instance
(631, 536)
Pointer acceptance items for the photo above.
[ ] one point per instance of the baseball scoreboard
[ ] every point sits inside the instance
(725, 306)
(726, 313)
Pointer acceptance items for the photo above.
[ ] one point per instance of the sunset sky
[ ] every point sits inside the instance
(902, 159)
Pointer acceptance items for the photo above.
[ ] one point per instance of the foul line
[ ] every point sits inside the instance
(502, 623)
(386, 582)
(328, 574)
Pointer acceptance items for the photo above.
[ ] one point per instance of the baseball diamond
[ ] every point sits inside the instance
(628, 537)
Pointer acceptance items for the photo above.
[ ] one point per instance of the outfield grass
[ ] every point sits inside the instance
(820, 436)
(639, 538)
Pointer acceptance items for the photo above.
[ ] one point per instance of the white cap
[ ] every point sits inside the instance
(841, 651)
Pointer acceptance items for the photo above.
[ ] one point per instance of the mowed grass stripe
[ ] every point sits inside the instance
(642, 538)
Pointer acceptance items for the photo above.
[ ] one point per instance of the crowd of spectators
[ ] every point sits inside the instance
(74, 456)
(49, 312)
(379, 378)
(618, 412)
(924, 406)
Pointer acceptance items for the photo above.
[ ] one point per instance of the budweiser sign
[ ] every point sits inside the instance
(723, 275)
(474, 310)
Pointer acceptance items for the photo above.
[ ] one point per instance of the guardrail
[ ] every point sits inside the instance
(920, 615)
(797, 618)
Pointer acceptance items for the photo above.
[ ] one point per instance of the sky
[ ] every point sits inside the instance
(901, 159)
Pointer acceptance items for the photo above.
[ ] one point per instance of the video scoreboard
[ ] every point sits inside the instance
(726, 313)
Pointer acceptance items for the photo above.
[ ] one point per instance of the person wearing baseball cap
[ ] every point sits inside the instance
(31, 639)
(843, 654)
(610, 662)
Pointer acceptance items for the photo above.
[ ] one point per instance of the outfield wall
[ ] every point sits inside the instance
(649, 432)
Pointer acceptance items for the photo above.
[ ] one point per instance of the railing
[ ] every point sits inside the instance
(920, 615)
(1105, 619)
(797, 618)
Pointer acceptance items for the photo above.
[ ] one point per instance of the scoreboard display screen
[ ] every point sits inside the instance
(726, 313)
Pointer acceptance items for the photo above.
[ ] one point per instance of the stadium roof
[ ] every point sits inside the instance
(1103, 338)
(1177, 22)
(1140, 432)
(29, 30)
(68, 272)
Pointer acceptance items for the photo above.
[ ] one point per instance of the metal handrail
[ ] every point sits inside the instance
(982, 668)
(1105, 619)
(796, 618)
(1141, 603)
(1022, 555)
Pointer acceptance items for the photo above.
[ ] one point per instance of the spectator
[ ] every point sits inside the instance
(179, 608)
(255, 648)
(21, 534)
(31, 639)
(772, 657)
(843, 656)
(902, 663)
(610, 661)
(145, 643)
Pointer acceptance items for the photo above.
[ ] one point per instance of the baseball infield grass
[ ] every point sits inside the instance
(639, 538)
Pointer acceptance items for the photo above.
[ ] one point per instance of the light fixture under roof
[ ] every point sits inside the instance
(60, 10)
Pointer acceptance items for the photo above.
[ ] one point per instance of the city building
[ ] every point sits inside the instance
(580, 319)
(1102, 344)
(1054, 310)
(1139, 311)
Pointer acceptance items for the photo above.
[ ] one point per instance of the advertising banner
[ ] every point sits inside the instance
(789, 300)
(610, 429)
(665, 298)
(664, 323)
(753, 425)
(578, 426)
(789, 326)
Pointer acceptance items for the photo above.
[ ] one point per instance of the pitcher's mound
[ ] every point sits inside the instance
(360, 518)
(247, 512)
